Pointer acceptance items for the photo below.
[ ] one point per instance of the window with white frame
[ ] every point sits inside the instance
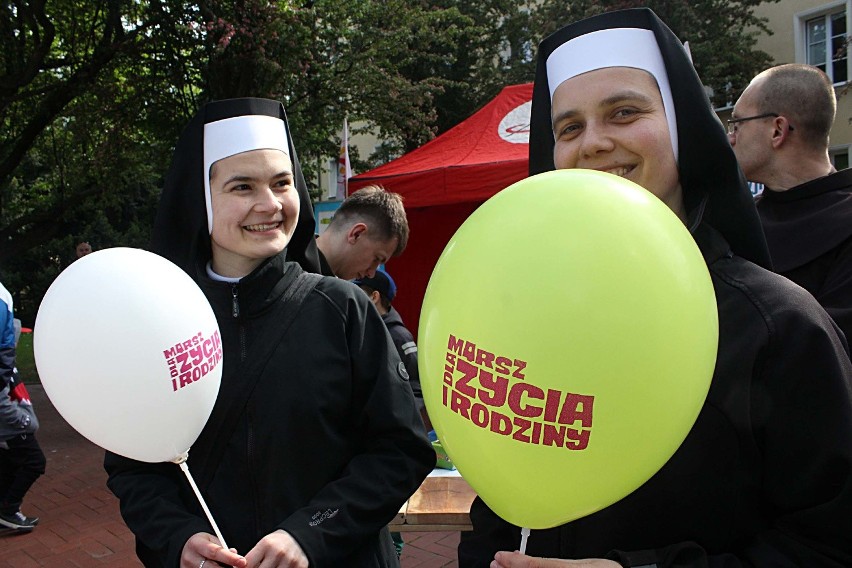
(823, 39)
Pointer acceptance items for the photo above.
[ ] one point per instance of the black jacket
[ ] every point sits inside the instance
(809, 232)
(407, 350)
(328, 449)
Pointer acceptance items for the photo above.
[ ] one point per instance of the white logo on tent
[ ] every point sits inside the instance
(515, 126)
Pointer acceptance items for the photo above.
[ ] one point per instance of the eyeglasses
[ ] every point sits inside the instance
(732, 124)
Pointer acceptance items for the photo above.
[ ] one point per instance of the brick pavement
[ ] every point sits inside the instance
(80, 525)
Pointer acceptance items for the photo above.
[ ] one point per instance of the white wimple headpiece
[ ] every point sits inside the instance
(232, 136)
(617, 47)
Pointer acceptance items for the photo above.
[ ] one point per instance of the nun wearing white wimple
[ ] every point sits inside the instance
(315, 440)
(764, 478)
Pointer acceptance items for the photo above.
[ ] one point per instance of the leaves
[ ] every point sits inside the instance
(93, 95)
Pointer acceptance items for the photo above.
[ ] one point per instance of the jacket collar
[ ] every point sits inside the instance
(256, 292)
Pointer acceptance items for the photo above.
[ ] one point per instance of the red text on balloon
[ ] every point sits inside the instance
(193, 359)
(477, 383)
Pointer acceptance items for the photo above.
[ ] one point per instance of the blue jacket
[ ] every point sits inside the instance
(13, 419)
(7, 337)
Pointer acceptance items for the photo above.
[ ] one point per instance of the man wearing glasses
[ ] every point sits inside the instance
(780, 133)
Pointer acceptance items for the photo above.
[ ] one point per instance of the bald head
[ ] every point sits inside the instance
(801, 93)
(781, 124)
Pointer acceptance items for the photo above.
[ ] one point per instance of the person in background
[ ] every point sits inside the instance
(22, 460)
(82, 249)
(314, 441)
(382, 289)
(764, 477)
(780, 130)
(367, 230)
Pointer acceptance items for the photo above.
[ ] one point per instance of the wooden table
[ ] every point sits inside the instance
(441, 503)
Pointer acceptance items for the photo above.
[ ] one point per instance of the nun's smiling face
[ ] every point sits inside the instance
(613, 120)
(255, 209)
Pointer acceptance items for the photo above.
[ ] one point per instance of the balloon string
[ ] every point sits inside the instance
(525, 534)
(185, 469)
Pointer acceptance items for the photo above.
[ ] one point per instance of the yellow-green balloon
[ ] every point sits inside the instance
(567, 342)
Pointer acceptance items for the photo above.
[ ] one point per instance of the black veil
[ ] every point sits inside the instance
(180, 228)
(714, 188)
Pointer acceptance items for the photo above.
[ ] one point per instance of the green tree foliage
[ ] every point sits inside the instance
(93, 94)
(326, 60)
(90, 96)
(494, 48)
(721, 34)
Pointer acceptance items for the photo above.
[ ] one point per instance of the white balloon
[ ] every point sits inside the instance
(128, 350)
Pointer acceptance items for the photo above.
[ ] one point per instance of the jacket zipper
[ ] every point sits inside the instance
(252, 475)
(235, 312)
(235, 301)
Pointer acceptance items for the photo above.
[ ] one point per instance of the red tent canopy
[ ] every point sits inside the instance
(446, 179)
